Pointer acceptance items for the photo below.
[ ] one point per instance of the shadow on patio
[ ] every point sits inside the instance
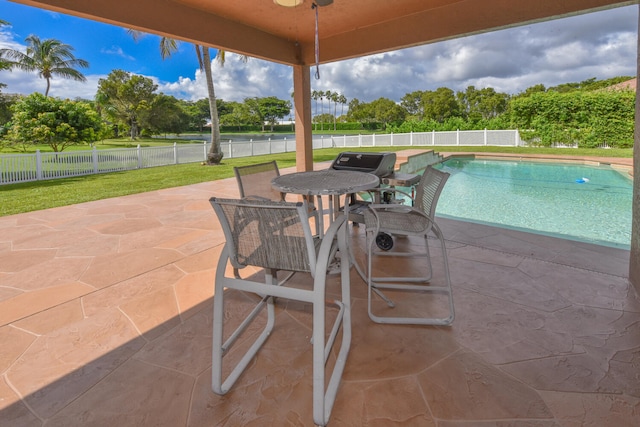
(105, 314)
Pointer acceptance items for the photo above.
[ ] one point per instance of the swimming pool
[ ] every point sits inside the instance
(572, 201)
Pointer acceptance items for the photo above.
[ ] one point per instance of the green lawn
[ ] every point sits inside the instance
(31, 196)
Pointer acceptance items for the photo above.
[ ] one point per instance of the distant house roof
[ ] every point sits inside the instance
(626, 85)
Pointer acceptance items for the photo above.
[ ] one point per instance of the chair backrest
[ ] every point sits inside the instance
(255, 180)
(268, 234)
(429, 189)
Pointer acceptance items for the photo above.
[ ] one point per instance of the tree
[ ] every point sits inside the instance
(358, 111)
(48, 57)
(387, 111)
(39, 119)
(439, 105)
(4, 64)
(342, 100)
(167, 47)
(315, 95)
(412, 102)
(483, 103)
(123, 96)
(533, 89)
(335, 96)
(240, 114)
(198, 113)
(271, 109)
(164, 115)
(382, 110)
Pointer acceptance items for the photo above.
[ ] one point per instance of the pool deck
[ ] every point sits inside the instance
(625, 163)
(105, 319)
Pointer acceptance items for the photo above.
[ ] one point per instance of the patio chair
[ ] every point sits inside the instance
(254, 181)
(385, 222)
(261, 234)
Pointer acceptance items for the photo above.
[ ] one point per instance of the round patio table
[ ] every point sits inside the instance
(328, 182)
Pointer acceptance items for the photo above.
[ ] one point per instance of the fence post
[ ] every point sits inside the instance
(204, 148)
(516, 139)
(139, 157)
(411, 138)
(485, 136)
(373, 140)
(94, 158)
(457, 136)
(433, 137)
(391, 139)
(38, 165)
(175, 153)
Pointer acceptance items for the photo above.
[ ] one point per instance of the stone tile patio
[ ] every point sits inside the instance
(105, 320)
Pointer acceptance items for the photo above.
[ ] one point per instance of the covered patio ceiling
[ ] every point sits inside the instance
(347, 28)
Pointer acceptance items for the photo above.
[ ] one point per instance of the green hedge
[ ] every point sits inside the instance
(588, 119)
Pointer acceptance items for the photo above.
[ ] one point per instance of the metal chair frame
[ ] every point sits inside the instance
(256, 236)
(416, 220)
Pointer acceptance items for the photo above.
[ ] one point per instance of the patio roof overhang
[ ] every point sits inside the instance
(347, 28)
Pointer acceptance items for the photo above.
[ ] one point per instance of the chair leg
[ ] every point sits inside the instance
(405, 284)
(323, 399)
(219, 384)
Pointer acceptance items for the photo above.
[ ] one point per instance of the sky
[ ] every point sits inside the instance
(599, 45)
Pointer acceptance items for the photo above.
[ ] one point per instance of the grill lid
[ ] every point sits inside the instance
(380, 164)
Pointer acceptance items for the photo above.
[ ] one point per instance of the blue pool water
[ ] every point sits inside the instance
(572, 201)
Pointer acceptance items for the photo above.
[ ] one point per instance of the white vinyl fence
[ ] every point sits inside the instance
(15, 168)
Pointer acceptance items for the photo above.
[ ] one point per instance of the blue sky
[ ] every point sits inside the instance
(600, 45)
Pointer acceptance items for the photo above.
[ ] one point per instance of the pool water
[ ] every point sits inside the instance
(572, 201)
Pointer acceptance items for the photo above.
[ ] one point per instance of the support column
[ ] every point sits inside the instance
(302, 107)
(634, 259)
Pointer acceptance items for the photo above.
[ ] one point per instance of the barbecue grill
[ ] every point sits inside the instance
(379, 164)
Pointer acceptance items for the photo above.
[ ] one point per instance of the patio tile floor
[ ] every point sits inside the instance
(105, 319)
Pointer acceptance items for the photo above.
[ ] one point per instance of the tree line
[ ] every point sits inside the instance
(587, 113)
(129, 105)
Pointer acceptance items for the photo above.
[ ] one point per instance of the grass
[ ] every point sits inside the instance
(32, 196)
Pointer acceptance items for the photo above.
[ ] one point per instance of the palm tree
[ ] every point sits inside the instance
(334, 98)
(4, 64)
(167, 47)
(321, 95)
(342, 100)
(48, 57)
(315, 95)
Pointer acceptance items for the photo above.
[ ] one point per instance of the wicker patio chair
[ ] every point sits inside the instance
(261, 234)
(385, 222)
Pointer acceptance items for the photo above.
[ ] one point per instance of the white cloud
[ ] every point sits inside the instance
(118, 51)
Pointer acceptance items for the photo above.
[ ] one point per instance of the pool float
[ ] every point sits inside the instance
(582, 180)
